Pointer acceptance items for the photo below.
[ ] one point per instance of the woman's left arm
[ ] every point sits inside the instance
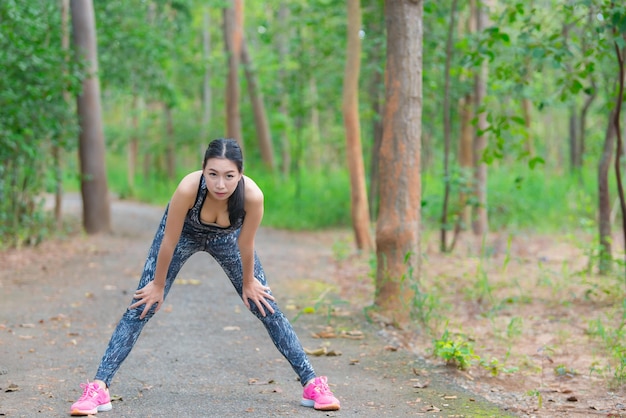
(253, 289)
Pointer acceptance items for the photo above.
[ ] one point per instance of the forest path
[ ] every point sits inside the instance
(203, 354)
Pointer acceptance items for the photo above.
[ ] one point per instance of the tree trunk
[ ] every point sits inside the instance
(57, 150)
(282, 39)
(258, 108)
(314, 157)
(480, 222)
(398, 226)
(350, 108)
(133, 143)
(619, 52)
(377, 96)
(466, 144)
(94, 189)
(170, 155)
(604, 200)
(233, 37)
(206, 81)
(526, 111)
(446, 130)
(574, 147)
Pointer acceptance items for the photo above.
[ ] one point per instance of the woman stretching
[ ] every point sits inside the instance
(217, 210)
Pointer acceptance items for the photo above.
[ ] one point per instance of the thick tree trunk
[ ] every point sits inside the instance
(604, 200)
(94, 189)
(258, 109)
(360, 209)
(398, 226)
(233, 37)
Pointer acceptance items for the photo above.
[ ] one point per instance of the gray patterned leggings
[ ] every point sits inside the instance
(223, 247)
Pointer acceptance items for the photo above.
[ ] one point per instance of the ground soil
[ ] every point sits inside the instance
(529, 302)
(524, 300)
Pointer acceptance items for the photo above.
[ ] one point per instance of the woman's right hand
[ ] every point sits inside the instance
(149, 295)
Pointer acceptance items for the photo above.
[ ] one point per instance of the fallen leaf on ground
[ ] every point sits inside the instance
(231, 328)
(421, 385)
(317, 352)
(12, 388)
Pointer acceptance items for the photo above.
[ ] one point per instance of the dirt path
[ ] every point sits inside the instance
(203, 354)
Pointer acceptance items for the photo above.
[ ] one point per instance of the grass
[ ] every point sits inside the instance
(519, 199)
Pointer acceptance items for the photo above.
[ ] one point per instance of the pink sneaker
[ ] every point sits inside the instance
(317, 394)
(94, 400)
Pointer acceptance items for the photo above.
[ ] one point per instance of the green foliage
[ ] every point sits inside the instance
(457, 351)
(306, 200)
(614, 338)
(34, 117)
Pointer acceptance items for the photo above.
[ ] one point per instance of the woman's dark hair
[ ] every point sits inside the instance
(229, 149)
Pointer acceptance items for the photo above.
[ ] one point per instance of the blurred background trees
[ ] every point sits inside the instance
(531, 89)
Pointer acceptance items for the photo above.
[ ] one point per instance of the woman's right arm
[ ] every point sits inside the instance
(182, 200)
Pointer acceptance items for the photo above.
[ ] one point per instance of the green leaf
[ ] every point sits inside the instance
(533, 162)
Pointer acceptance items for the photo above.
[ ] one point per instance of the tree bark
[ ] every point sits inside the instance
(604, 200)
(233, 37)
(466, 144)
(619, 52)
(398, 226)
(377, 97)
(354, 151)
(94, 189)
(206, 80)
(258, 108)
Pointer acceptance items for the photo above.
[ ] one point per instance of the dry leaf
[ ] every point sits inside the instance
(431, 408)
(421, 385)
(231, 328)
(317, 352)
(12, 388)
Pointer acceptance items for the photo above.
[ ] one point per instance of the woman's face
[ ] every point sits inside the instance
(221, 176)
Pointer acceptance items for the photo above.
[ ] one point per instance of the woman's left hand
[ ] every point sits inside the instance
(256, 292)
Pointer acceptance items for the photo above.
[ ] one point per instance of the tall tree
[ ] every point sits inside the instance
(398, 226)
(360, 209)
(233, 37)
(258, 109)
(604, 199)
(447, 129)
(94, 189)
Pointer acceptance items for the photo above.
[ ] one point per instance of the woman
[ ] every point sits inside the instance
(217, 210)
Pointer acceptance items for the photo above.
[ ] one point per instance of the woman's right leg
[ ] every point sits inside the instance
(130, 326)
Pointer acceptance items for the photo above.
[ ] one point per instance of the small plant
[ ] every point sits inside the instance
(537, 394)
(458, 352)
(494, 367)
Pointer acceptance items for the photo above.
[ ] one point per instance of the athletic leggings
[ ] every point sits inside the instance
(222, 245)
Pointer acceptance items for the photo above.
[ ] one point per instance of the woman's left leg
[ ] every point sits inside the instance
(226, 252)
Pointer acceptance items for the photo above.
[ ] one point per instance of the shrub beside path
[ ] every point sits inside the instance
(203, 354)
